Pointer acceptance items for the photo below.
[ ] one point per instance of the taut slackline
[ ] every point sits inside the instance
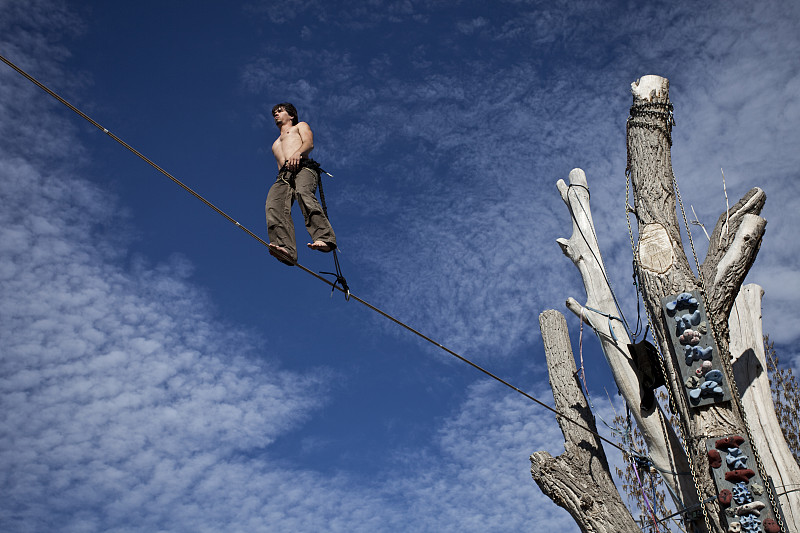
(333, 284)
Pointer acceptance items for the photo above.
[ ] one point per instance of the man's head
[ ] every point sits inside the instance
(289, 108)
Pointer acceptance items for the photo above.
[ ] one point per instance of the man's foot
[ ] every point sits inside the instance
(321, 246)
(281, 254)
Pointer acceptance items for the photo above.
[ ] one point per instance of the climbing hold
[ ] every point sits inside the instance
(735, 459)
(684, 300)
(702, 389)
(741, 494)
(734, 441)
(705, 368)
(741, 475)
(690, 336)
(686, 321)
(753, 508)
(750, 524)
(710, 387)
(714, 459)
(695, 353)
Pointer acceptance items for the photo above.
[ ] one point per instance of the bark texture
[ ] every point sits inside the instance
(731, 252)
(578, 480)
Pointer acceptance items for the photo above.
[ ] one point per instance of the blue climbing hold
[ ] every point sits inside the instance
(684, 300)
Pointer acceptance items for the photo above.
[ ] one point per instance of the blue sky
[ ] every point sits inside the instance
(160, 372)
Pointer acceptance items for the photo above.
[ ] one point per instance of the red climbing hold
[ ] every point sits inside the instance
(734, 441)
(735, 476)
(714, 459)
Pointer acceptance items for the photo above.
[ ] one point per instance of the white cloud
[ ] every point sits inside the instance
(128, 409)
(471, 203)
(119, 390)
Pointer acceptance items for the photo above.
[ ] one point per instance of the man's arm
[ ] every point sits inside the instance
(307, 138)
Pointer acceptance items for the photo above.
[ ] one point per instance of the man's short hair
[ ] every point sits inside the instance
(289, 108)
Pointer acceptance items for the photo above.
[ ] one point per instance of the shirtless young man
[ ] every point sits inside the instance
(297, 179)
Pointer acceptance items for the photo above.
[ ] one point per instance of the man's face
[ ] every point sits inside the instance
(281, 116)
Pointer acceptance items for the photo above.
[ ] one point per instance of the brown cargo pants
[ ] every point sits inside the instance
(301, 185)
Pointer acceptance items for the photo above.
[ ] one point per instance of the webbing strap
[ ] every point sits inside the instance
(340, 279)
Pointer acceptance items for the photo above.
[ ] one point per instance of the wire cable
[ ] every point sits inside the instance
(334, 285)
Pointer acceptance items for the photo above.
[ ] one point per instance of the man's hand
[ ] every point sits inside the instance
(294, 161)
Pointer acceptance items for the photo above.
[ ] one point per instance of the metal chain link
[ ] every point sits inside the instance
(651, 109)
(729, 372)
(684, 439)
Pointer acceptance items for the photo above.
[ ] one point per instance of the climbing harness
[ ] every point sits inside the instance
(318, 170)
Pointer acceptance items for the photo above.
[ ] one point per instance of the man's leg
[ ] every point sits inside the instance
(280, 227)
(317, 224)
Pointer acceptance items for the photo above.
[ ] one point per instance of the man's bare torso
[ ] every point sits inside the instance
(286, 144)
(290, 141)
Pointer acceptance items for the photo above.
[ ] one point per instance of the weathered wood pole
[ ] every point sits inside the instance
(663, 270)
(578, 480)
(750, 372)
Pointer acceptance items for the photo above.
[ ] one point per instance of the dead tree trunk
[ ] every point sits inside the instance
(750, 372)
(664, 272)
(601, 314)
(579, 479)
